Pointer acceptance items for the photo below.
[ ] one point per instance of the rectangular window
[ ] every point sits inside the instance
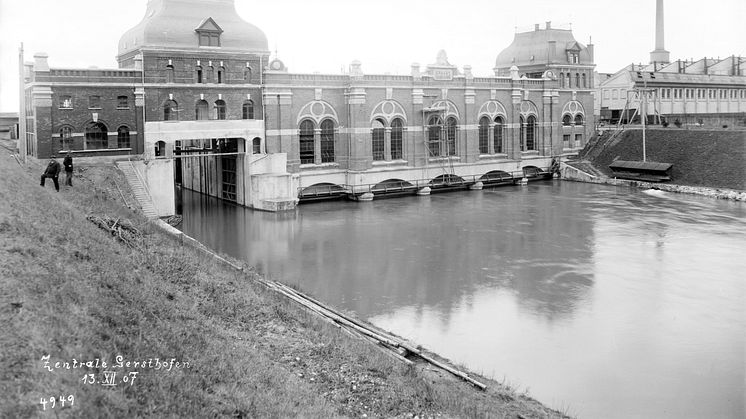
(378, 143)
(199, 75)
(578, 140)
(566, 140)
(66, 102)
(94, 102)
(123, 102)
(606, 94)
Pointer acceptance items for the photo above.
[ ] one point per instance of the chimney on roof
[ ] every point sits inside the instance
(40, 61)
(659, 54)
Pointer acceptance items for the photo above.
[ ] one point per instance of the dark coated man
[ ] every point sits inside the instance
(68, 163)
(52, 171)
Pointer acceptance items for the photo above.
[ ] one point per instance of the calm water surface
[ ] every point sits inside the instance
(607, 302)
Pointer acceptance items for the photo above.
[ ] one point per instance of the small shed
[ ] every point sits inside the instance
(647, 171)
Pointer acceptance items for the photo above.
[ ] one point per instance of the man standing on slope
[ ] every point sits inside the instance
(52, 171)
(68, 163)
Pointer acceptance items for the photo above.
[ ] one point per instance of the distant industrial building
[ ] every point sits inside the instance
(705, 92)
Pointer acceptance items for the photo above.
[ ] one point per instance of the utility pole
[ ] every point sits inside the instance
(22, 106)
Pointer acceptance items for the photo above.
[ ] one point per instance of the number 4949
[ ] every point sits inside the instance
(52, 401)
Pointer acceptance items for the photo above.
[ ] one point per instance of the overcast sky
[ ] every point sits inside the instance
(385, 35)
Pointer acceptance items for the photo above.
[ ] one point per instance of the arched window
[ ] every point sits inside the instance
(484, 135)
(569, 78)
(378, 140)
(522, 131)
(434, 131)
(567, 120)
(160, 149)
(219, 109)
(256, 145)
(248, 109)
(202, 110)
(170, 111)
(577, 79)
(531, 133)
(221, 72)
(307, 154)
(562, 79)
(247, 74)
(123, 137)
(584, 82)
(498, 137)
(451, 136)
(66, 137)
(578, 119)
(397, 133)
(200, 76)
(169, 74)
(327, 141)
(96, 136)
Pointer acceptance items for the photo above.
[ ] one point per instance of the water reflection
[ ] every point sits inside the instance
(613, 301)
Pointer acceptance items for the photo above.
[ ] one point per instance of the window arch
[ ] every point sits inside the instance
(123, 137)
(66, 137)
(567, 120)
(96, 136)
(569, 79)
(199, 74)
(498, 134)
(484, 135)
(169, 73)
(378, 140)
(219, 109)
(584, 81)
(248, 109)
(531, 133)
(202, 110)
(256, 145)
(170, 111)
(577, 79)
(221, 73)
(307, 154)
(247, 74)
(562, 79)
(434, 132)
(397, 134)
(579, 119)
(451, 126)
(327, 141)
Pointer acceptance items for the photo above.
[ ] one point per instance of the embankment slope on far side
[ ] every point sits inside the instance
(706, 158)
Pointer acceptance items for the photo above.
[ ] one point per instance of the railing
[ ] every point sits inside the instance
(142, 181)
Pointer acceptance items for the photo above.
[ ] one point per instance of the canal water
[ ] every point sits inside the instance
(601, 301)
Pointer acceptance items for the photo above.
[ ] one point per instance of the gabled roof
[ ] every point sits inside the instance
(209, 25)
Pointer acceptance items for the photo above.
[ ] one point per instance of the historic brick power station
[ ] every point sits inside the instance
(198, 99)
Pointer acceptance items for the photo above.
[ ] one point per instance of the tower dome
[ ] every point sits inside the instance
(541, 47)
(178, 24)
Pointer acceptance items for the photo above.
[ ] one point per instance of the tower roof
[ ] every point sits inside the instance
(542, 47)
(175, 24)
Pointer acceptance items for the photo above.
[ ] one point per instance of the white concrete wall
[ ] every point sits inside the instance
(171, 131)
(159, 177)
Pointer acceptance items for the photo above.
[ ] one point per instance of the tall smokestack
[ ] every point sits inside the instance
(660, 55)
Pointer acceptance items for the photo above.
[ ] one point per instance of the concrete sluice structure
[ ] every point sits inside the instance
(198, 98)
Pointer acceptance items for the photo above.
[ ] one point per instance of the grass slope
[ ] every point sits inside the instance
(71, 291)
(715, 159)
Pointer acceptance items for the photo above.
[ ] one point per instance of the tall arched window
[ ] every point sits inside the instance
(569, 78)
(578, 119)
(248, 109)
(327, 141)
(202, 110)
(378, 140)
(307, 154)
(577, 80)
(567, 120)
(451, 136)
(397, 134)
(123, 137)
(562, 79)
(522, 131)
(200, 76)
(531, 133)
(96, 136)
(434, 132)
(256, 145)
(219, 109)
(484, 135)
(66, 137)
(170, 111)
(247, 74)
(221, 73)
(169, 74)
(498, 137)
(584, 81)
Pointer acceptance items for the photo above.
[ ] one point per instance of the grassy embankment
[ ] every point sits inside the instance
(707, 158)
(70, 290)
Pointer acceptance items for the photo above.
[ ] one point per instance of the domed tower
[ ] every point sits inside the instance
(211, 26)
(548, 51)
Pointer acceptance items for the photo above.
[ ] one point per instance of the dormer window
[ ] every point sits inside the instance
(208, 33)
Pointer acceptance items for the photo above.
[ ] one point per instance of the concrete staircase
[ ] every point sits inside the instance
(138, 188)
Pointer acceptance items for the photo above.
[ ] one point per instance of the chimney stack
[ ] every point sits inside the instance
(659, 54)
